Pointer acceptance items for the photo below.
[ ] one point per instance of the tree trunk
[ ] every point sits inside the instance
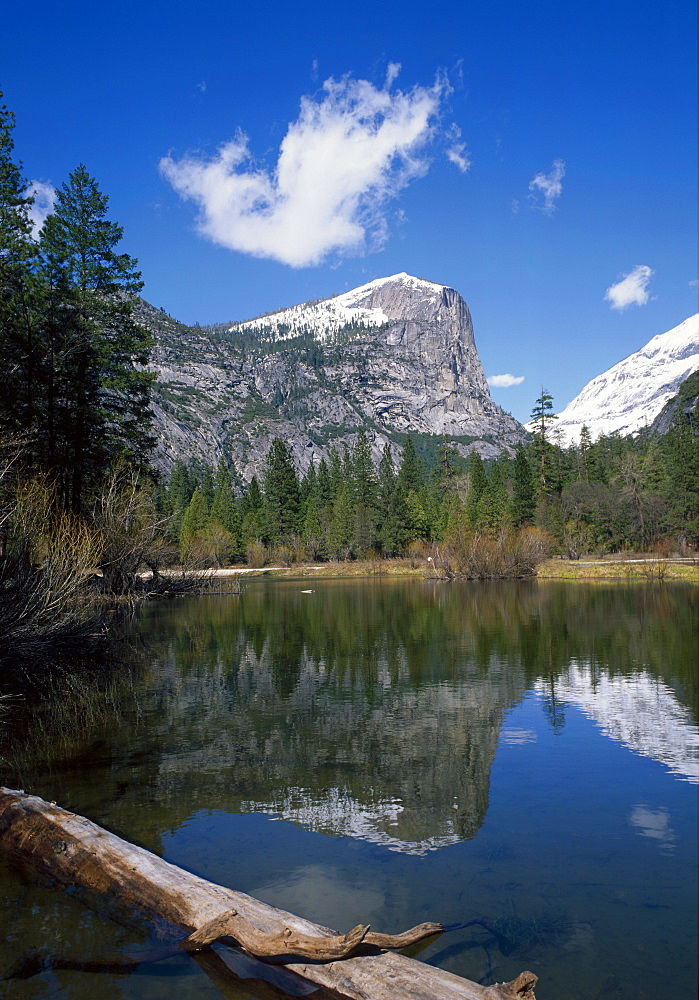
(122, 879)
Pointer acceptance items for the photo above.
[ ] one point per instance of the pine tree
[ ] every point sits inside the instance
(341, 527)
(418, 522)
(18, 356)
(392, 513)
(308, 485)
(543, 416)
(252, 499)
(224, 510)
(195, 519)
(363, 473)
(312, 532)
(493, 505)
(206, 482)
(523, 502)
(411, 475)
(682, 463)
(585, 445)
(178, 495)
(477, 483)
(337, 473)
(324, 486)
(282, 499)
(102, 388)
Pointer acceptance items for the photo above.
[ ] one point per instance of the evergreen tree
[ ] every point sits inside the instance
(448, 463)
(178, 495)
(195, 519)
(252, 514)
(411, 475)
(101, 386)
(252, 499)
(341, 527)
(282, 500)
(18, 356)
(682, 479)
(392, 513)
(224, 510)
(324, 486)
(493, 505)
(312, 531)
(418, 522)
(337, 473)
(543, 416)
(363, 473)
(523, 502)
(206, 483)
(308, 485)
(477, 483)
(585, 445)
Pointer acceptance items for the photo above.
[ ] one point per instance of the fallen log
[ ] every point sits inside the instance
(177, 906)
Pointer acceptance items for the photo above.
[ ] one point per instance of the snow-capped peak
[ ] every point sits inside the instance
(630, 394)
(324, 318)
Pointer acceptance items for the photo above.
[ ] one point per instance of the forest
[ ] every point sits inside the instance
(611, 495)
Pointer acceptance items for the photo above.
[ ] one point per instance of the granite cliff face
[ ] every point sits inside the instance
(392, 357)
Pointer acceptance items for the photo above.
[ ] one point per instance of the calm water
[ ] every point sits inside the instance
(389, 752)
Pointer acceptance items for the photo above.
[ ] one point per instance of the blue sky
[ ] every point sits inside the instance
(533, 156)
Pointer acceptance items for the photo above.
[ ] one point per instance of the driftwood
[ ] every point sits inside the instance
(192, 913)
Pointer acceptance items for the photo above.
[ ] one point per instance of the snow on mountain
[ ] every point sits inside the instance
(630, 395)
(394, 356)
(326, 317)
(639, 711)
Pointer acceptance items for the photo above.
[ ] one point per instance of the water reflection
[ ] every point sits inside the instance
(654, 823)
(371, 711)
(389, 714)
(640, 710)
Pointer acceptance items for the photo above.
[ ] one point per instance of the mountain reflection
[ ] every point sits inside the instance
(640, 711)
(366, 709)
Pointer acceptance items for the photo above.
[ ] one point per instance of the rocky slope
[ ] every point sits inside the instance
(686, 400)
(394, 356)
(632, 393)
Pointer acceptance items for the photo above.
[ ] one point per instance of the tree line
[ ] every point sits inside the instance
(593, 497)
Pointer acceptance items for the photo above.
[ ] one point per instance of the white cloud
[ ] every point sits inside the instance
(44, 196)
(632, 289)
(549, 185)
(505, 381)
(346, 155)
(392, 74)
(654, 823)
(457, 152)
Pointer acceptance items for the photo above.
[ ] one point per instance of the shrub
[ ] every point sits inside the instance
(255, 554)
(209, 547)
(129, 528)
(48, 559)
(478, 555)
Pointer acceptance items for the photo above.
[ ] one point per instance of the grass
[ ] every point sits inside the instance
(656, 571)
(649, 571)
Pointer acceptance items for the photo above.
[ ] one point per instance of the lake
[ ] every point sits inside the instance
(390, 752)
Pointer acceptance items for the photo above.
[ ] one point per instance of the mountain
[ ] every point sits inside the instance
(686, 400)
(392, 357)
(632, 393)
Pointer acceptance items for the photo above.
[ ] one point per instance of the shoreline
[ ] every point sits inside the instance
(631, 569)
